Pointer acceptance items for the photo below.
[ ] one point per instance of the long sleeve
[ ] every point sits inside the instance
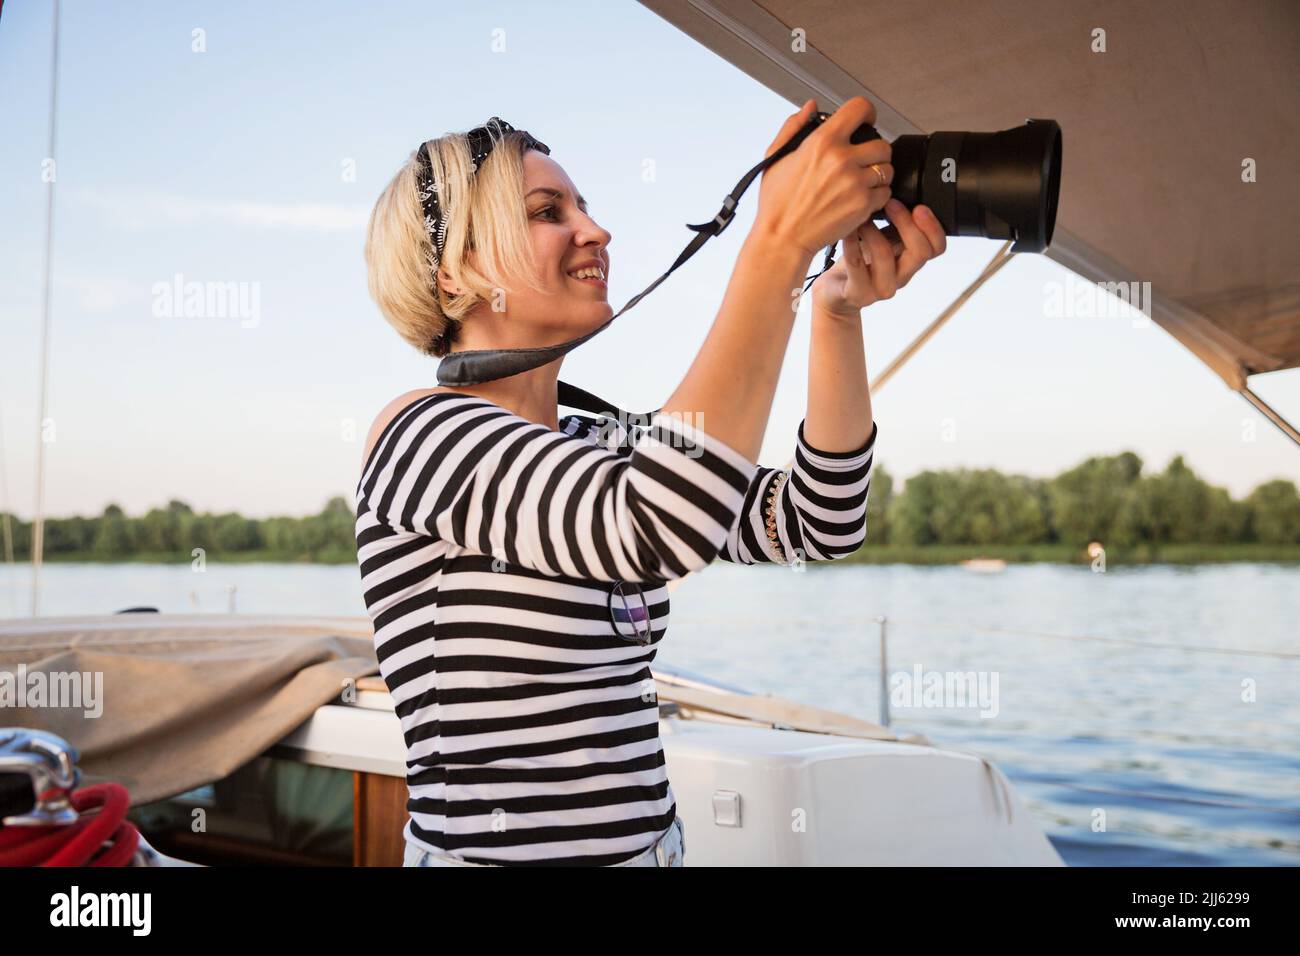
(461, 469)
(821, 507)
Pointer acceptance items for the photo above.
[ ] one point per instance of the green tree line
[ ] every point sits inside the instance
(1105, 499)
(176, 531)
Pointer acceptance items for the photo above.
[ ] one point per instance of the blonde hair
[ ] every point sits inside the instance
(485, 214)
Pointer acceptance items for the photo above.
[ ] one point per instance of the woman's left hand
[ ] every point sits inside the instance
(875, 264)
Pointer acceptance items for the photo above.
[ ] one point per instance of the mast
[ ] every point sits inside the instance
(38, 522)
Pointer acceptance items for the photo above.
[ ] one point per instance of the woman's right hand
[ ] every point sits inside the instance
(826, 188)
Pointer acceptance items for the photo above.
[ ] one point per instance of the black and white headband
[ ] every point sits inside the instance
(481, 140)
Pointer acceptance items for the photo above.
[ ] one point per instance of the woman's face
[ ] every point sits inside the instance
(564, 240)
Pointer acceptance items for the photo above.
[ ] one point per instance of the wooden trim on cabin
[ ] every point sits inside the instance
(379, 815)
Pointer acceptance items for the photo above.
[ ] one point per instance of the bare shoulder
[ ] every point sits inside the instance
(390, 412)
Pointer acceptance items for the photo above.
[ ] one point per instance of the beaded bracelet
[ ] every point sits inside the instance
(771, 516)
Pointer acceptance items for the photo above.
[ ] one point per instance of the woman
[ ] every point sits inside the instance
(513, 562)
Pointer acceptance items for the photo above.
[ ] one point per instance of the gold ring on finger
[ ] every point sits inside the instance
(880, 174)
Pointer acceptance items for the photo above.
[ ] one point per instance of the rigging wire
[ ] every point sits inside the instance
(5, 517)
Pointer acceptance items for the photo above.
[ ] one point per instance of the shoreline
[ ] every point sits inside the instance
(1180, 554)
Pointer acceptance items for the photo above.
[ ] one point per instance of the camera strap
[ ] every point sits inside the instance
(482, 365)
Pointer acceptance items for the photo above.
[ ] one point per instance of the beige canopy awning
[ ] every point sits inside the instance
(1162, 112)
(164, 703)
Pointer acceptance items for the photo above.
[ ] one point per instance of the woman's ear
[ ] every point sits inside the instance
(447, 286)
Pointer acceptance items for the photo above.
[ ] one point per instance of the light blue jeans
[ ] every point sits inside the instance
(668, 850)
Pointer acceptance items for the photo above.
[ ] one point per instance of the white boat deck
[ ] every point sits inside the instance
(756, 795)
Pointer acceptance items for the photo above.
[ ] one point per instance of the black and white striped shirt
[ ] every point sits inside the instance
(488, 545)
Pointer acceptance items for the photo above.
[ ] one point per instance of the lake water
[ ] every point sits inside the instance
(1187, 752)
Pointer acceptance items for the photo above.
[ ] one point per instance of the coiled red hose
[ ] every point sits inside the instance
(77, 844)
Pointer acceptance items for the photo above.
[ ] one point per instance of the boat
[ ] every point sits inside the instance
(984, 565)
(277, 732)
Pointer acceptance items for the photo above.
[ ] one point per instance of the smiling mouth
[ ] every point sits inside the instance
(590, 276)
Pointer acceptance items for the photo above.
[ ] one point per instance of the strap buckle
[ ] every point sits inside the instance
(721, 221)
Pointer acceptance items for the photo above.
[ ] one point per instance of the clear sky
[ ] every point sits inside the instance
(231, 165)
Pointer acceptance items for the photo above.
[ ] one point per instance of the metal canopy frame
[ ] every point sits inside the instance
(1000, 258)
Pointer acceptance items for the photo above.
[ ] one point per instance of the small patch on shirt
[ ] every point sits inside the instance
(608, 433)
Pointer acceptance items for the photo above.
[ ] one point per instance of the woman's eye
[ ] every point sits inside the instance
(548, 210)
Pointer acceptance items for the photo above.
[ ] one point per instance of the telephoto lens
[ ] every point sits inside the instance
(1002, 185)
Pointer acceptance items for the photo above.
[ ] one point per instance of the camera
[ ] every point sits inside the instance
(1001, 185)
